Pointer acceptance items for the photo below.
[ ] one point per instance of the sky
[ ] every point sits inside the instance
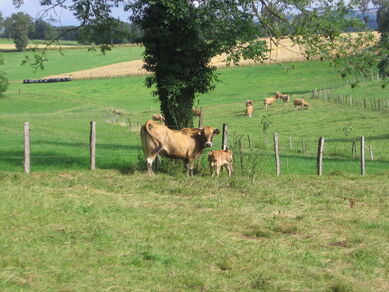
(63, 16)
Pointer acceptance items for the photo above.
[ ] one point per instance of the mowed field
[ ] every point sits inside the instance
(66, 228)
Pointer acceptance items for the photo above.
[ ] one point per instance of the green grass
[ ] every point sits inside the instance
(65, 228)
(106, 230)
(68, 61)
(60, 114)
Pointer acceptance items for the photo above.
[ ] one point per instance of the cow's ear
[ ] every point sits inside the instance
(200, 131)
(216, 132)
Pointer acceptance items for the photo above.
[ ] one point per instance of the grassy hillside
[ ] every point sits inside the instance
(84, 231)
(60, 115)
(67, 61)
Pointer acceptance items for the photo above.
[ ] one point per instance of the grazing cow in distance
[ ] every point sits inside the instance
(158, 118)
(269, 101)
(278, 95)
(285, 97)
(249, 107)
(218, 159)
(196, 111)
(186, 144)
(300, 102)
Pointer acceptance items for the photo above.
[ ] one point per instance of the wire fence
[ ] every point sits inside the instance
(252, 154)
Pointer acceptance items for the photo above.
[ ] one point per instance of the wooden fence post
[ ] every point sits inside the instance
(249, 139)
(92, 145)
(290, 143)
(201, 118)
(363, 156)
(224, 137)
(320, 148)
(27, 157)
(364, 103)
(371, 152)
(276, 153)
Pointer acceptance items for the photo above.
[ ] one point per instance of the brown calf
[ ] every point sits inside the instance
(249, 108)
(301, 103)
(218, 159)
(158, 118)
(268, 101)
(196, 111)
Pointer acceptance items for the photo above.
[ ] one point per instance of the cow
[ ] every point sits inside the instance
(301, 103)
(196, 111)
(249, 107)
(186, 144)
(218, 159)
(278, 95)
(269, 101)
(158, 118)
(285, 97)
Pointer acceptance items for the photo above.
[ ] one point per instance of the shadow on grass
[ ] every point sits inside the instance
(86, 145)
(367, 138)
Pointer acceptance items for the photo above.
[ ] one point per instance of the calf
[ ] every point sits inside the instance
(196, 111)
(218, 159)
(249, 108)
(285, 97)
(269, 101)
(300, 102)
(158, 118)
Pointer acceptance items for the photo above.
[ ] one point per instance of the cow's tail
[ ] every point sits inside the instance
(149, 125)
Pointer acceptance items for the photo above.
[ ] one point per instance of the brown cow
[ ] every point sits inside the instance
(268, 101)
(285, 97)
(158, 118)
(186, 144)
(278, 95)
(249, 107)
(218, 159)
(301, 103)
(196, 111)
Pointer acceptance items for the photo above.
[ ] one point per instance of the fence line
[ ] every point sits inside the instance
(237, 146)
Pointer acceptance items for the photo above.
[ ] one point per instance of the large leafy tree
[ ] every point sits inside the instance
(181, 37)
(19, 25)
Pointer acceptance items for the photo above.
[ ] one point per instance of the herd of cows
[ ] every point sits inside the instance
(187, 144)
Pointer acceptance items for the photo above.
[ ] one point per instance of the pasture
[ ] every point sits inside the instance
(66, 228)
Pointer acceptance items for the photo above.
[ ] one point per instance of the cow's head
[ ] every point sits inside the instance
(207, 134)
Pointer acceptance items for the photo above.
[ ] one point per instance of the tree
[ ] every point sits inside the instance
(181, 37)
(19, 25)
(363, 6)
(3, 80)
(42, 30)
(383, 18)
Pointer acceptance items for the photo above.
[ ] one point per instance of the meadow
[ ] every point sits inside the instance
(64, 228)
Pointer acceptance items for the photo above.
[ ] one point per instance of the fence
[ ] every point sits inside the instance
(240, 150)
(328, 95)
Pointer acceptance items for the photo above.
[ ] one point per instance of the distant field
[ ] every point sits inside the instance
(68, 61)
(8, 44)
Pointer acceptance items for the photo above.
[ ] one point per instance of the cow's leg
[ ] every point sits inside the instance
(158, 163)
(190, 166)
(149, 161)
(229, 169)
(218, 170)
